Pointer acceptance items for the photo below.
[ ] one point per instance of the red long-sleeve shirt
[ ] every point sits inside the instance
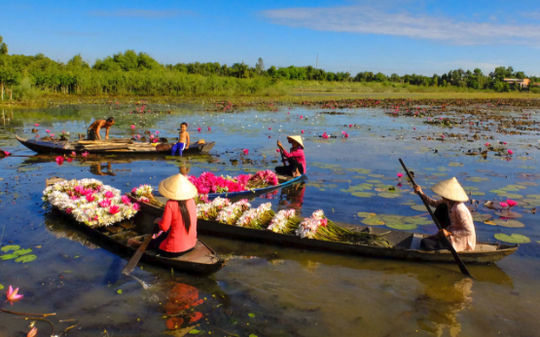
(179, 239)
(297, 154)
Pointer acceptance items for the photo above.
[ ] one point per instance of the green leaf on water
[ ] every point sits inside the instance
(470, 188)
(363, 194)
(527, 183)
(509, 223)
(22, 252)
(478, 193)
(365, 214)
(511, 195)
(10, 247)
(420, 208)
(373, 221)
(251, 315)
(455, 164)
(359, 170)
(194, 331)
(514, 238)
(533, 196)
(119, 291)
(253, 335)
(376, 175)
(477, 179)
(8, 256)
(389, 195)
(373, 181)
(401, 226)
(26, 258)
(480, 217)
(1, 287)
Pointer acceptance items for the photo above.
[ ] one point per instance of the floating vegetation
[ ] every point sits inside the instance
(359, 170)
(505, 223)
(514, 238)
(455, 164)
(401, 222)
(20, 255)
(389, 195)
(363, 194)
(481, 217)
(477, 179)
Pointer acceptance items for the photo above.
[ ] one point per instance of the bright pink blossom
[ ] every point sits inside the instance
(198, 129)
(302, 131)
(109, 195)
(511, 202)
(399, 175)
(503, 204)
(7, 153)
(73, 154)
(90, 197)
(84, 154)
(105, 203)
(114, 209)
(36, 125)
(126, 200)
(48, 131)
(209, 129)
(269, 128)
(59, 160)
(136, 206)
(510, 151)
(246, 151)
(12, 295)
(486, 144)
(133, 127)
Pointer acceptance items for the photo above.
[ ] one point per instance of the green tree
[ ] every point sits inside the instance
(3, 47)
(259, 68)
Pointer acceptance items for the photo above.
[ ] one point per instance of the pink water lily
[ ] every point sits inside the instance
(155, 140)
(151, 136)
(126, 200)
(350, 125)
(209, 129)
(36, 125)
(246, 151)
(157, 132)
(136, 206)
(511, 202)
(52, 135)
(269, 128)
(7, 153)
(32, 333)
(138, 136)
(12, 295)
(503, 204)
(90, 197)
(486, 144)
(302, 131)
(109, 195)
(48, 131)
(346, 135)
(73, 153)
(84, 154)
(399, 175)
(133, 127)
(105, 203)
(59, 160)
(114, 209)
(510, 151)
(277, 150)
(199, 129)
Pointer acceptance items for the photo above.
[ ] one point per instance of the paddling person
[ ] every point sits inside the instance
(294, 161)
(183, 140)
(179, 221)
(453, 215)
(93, 130)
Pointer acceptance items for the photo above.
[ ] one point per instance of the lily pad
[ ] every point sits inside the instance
(420, 208)
(477, 179)
(509, 214)
(251, 315)
(26, 258)
(509, 223)
(511, 195)
(376, 175)
(470, 188)
(363, 194)
(514, 238)
(455, 164)
(527, 183)
(365, 214)
(1, 287)
(359, 170)
(478, 193)
(401, 226)
(10, 247)
(389, 195)
(420, 221)
(373, 221)
(373, 181)
(533, 196)
(481, 217)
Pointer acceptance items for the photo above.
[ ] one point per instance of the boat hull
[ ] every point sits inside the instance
(65, 147)
(257, 191)
(402, 241)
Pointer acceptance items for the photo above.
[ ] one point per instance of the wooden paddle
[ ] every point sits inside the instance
(450, 247)
(137, 256)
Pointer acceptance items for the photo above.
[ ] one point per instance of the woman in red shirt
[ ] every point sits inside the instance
(179, 221)
(296, 158)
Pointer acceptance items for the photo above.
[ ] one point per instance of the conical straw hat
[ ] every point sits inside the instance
(177, 187)
(451, 190)
(297, 139)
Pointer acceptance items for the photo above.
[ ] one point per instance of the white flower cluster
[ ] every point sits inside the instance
(280, 220)
(208, 211)
(252, 217)
(309, 226)
(142, 191)
(230, 213)
(90, 202)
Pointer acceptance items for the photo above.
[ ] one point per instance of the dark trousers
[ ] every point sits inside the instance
(155, 243)
(291, 168)
(91, 134)
(435, 242)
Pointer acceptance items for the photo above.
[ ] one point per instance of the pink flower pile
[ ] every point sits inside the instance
(209, 183)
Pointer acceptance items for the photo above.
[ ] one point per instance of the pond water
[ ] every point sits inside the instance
(268, 290)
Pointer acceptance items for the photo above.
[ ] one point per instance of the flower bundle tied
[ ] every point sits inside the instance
(143, 193)
(284, 222)
(257, 218)
(230, 214)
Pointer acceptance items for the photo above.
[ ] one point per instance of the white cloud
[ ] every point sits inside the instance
(367, 20)
(142, 13)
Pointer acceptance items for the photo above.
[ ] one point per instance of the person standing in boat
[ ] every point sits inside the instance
(179, 222)
(294, 161)
(93, 130)
(453, 215)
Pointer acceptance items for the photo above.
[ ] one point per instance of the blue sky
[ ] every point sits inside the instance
(403, 36)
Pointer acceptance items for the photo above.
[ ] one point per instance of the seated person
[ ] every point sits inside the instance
(453, 215)
(93, 131)
(296, 160)
(179, 222)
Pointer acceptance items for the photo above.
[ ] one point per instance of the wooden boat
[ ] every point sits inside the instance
(112, 146)
(283, 181)
(405, 244)
(201, 260)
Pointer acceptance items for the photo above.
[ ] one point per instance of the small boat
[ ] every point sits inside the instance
(405, 245)
(119, 146)
(283, 182)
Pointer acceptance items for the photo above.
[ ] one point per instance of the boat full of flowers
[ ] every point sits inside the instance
(91, 202)
(207, 182)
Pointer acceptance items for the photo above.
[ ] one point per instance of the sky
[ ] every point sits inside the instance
(402, 36)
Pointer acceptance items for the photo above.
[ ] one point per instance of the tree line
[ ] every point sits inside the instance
(137, 73)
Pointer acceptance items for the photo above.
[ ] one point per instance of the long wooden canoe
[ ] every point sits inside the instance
(127, 147)
(405, 244)
(283, 182)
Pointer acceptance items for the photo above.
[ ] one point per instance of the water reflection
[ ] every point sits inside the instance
(292, 196)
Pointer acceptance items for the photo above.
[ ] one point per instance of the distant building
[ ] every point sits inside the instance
(524, 83)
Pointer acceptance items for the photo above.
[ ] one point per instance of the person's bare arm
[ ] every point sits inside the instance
(98, 128)
(107, 132)
(187, 140)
